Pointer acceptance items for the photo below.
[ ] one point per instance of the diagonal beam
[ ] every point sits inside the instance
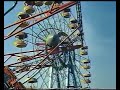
(50, 13)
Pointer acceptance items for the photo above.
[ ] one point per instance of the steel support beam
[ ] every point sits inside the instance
(49, 14)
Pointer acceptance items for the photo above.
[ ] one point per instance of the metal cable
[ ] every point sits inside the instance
(11, 8)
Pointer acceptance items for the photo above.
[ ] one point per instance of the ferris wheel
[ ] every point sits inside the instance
(52, 51)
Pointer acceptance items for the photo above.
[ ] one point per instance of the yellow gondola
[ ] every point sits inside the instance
(22, 58)
(73, 26)
(87, 75)
(38, 3)
(30, 2)
(48, 2)
(73, 20)
(24, 24)
(22, 15)
(21, 35)
(20, 43)
(83, 53)
(85, 61)
(86, 81)
(77, 33)
(65, 14)
(56, 5)
(29, 9)
(85, 67)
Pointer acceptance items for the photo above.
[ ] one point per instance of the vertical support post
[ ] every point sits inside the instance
(72, 71)
(67, 79)
(79, 18)
(71, 74)
(51, 77)
(58, 79)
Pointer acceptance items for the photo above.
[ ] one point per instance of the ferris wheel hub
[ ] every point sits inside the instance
(52, 40)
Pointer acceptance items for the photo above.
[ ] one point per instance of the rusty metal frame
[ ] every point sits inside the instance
(57, 50)
(50, 13)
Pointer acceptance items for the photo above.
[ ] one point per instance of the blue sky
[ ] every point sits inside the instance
(99, 24)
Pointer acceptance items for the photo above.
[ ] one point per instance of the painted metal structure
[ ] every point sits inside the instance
(57, 56)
